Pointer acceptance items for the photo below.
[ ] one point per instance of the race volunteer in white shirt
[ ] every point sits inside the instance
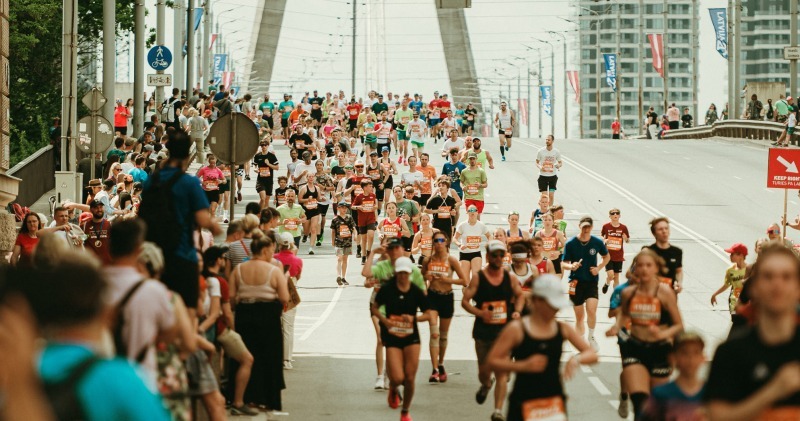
(548, 161)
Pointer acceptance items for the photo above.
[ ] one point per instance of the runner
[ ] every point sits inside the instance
(655, 320)
(280, 192)
(484, 157)
(520, 254)
(442, 207)
(366, 205)
(438, 271)
(211, 177)
(492, 289)
(553, 242)
(734, 277)
(326, 184)
(428, 178)
(474, 181)
(505, 120)
(342, 230)
(414, 178)
(292, 217)
(375, 174)
(469, 119)
(309, 197)
(267, 163)
(402, 118)
(452, 142)
(614, 311)
(452, 168)
(399, 332)
(538, 258)
(383, 131)
(673, 256)
(433, 119)
(514, 233)
(614, 234)
(532, 347)
(417, 132)
(392, 226)
(548, 161)
(536, 216)
(387, 171)
(470, 237)
(409, 211)
(580, 258)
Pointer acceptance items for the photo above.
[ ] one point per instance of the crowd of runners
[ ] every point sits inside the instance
(360, 179)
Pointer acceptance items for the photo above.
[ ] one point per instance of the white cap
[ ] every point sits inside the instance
(496, 245)
(403, 264)
(286, 238)
(548, 286)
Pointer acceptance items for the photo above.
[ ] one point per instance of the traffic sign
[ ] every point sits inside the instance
(782, 170)
(159, 80)
(94, 130)
(159, 57)
(791, 53)
(233, 138)
(94, 100)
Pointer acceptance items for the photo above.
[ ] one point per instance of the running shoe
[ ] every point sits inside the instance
(386, 383)
(400, 159)
(483, 392)
(243, 410)
(775, 143)
(394, 399)
(287, 365)
(442, 374)
(247, 177)
(344, 281)
(404, 416)
(305, 238)
(311, 251)
(594, 344)
(503, 158)
(379, 383)
(318, 243)
(239, 196)
(363, 260)
(434, 378)
(605, 289)
(358, 252)
(497, 416)
(339, 280)
(622, 410)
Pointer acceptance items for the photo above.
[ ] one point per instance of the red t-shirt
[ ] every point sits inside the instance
(26, 244)
(366, 213)
(615, 127)
(614, 240)
(445, 106)
(225, 297)
(433, 106)
(98, 240)
(355, 181)
(353, 110)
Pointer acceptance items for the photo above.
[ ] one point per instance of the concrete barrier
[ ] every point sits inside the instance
(766, 131)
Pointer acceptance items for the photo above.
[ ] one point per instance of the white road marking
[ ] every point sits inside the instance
(738, 178)
(325, 314)
(709, 167)
(586, 369)
(601, 388)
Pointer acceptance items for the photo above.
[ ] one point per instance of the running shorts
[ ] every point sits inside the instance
(653, 355)
(547, 183)
(583, 291)
(407, 243)
(615, 266)
(352, 124)
(416, 144)
(317, 115)
(391, 341)
(344, 251)
(370, 227)
(442, 302)
(503, 133)
(285, 122)
(212, 196)
(225, 187)
(323, 210)
(467, 257)
(433, 122)
(265, 185)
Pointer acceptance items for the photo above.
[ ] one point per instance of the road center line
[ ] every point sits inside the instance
(325, 314)
(601, 388)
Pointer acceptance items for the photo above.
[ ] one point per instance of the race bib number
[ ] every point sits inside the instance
(507, 260)
(665, 280)
(736, 292)
(404, 120)
(374, 174)
(290, 224)
(549, 243)
(226, 173)
(344, 231)
(614, 243)
(499, 311)
(544, 409)
(508, 131)
(441, 269)
(572, 286)
(402, 326)
(469, 117)
(444, 212)
(391, 230)
(311, 204)
(473, 189)
(210, 184)
(426, 243)
(368, 206)
(548, 166)
(473, 242)
(264, 172)
(784, 413)
(300, 145)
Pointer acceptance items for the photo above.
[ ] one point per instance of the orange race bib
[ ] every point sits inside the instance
(572, 286)
(499, 311)
(402, 326)
(665, 280)
(210, 185)
(374, 174)
(473, 189)
(264, 172)
(426, 243)
(281, 199)
(513, 239)
(783, 413)
(344, 231)
(391, 230)
(549, 409)
(439, 268)
(290, 224)
(226, 173)
(645, 311)
(508, 131)
(473, 242)
(548, 243)
(368, 206)
(311, 204)
(614, 243)
(443, 212)
(548, 166)
(736, 292)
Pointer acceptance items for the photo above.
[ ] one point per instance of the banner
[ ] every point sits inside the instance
(219, 66)
(198, 17)
(227, 79)
(572, 75)
(719, 18)
(523, 111)
(213, 38)
(547, 99)
(657, 49)
(611, 70)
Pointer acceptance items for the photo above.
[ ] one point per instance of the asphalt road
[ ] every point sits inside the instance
(714, 193)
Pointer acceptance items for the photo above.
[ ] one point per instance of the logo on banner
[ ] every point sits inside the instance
(611, 70)
(547, 99)
(219, 66)
(719, 18)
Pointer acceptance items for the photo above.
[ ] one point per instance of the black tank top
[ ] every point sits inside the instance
(496, 299)
(538, 385)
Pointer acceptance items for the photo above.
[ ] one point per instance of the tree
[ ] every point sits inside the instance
(35, 44)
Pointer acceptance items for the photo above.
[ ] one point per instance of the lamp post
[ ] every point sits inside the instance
(566, 114)
(552, 85)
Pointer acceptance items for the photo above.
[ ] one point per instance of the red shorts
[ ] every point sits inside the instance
(478, 204)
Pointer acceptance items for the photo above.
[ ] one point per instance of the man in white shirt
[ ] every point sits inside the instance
(303, 170)
(452, 142)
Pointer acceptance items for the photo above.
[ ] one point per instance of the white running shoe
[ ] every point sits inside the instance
(622, 410)
(379, 383)
(287, 365)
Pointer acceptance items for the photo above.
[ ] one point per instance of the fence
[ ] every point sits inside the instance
(37, 176)
(740, 129)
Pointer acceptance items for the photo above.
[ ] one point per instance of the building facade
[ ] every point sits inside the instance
(765, 31)
(614, 27)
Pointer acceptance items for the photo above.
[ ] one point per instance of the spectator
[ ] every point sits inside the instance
(292, 265)
(754, 108)
(28, 237)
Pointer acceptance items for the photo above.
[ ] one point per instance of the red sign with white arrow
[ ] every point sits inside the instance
(782, 171)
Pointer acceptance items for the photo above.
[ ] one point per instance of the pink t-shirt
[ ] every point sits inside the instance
(210, 177)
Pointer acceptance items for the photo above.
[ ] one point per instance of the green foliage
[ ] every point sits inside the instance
(35, 63)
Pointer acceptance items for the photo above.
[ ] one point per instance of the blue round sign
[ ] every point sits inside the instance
(159, 57)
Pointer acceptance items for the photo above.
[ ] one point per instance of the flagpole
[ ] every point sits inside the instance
(640, 67)
(664, 58)
(617, 66)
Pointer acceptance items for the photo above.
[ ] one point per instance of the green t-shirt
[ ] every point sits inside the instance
(370, 137)
(290, 219)
(383, 271)
(403, 117)
(471, 180)
(266, 105)
(411, 210)
(734, 278)
(283, 106)
(782, 107)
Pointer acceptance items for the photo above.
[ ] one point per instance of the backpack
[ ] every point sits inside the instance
(119, 341)
(168, 110)
(157, 209)
(63, 395)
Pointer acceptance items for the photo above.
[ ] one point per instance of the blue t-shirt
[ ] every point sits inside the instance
(109, 390)
(415, 105)
(616, 296)
(189, 198)
(139, 175)
(449, 169)
(574, 251)
(668, 402)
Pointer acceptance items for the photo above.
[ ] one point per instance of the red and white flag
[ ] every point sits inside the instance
(523, 110)
(657, 49)
(227, 79)
(213, 38)
(572, 75)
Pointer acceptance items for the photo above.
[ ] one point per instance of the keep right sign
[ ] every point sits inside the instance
(782, 170)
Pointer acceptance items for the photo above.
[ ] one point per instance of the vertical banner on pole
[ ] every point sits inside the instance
(611, 70)
(657, 49)
(575, 82)
(522, 103)
(219, 65)
(227, 79)
(719, 18)
(213, 38)
(547, 99)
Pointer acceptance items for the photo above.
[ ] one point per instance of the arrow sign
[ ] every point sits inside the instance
(782, 171)
(790, 167)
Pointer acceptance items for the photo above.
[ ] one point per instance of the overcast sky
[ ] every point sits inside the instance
(315, 44)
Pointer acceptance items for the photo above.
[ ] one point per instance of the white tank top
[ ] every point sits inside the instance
(505, 119)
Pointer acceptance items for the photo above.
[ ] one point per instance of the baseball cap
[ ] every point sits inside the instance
(213, 253)
(344, 204)
(586, 221)
(496, 245)
(403, 264)
(95, 203)
(548, 287)
(286, 238)
(394, 242)
(384, 149)
(737, 248)
(373, 153)
(472, 155)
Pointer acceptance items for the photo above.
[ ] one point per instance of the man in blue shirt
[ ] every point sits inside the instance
(138, 173)
(285, 108)
(416, 105)
(452, 169)
(580, 258)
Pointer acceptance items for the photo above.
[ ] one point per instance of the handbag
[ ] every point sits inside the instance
(294, 296)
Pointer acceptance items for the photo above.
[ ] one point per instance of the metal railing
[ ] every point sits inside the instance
(37, 176)
(739, 129)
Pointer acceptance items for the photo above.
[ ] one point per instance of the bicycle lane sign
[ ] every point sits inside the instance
(159, 57)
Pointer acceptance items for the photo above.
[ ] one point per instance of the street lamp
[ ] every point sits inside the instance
(566, 114)
(539, 73)
(552, 85)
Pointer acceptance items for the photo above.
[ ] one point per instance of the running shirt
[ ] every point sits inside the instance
(392, 228)
(483, 161)
(550, 243)
(444, 107)
(280, 194)
(673, 256)
(412, 178)
(576, 250)
(526, 278)
(513, 237)
(366, 213)
(402, 118)
(442, 219)
(210, 178)
(454, 172)
(538, 396)
(473, 237)
(416, 130)
(428, 175)
(401, 308)
(453, 144)
(669, 402)
(471, 180)
(537, 220)
(614, 240)
(496, 299)
(409, 207)
(344, 228)
(504, 120)
(542, 266)
(734, 279)
(290, 219)
(261, 160)
(548, 160)
(352, 111)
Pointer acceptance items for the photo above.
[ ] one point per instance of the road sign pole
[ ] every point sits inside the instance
(160, 28)
(785, 206)
(94, 146)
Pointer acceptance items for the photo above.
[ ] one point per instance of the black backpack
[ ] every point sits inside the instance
(158, 210)
(63, 395)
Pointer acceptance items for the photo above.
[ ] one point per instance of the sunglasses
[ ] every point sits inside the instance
(613, 213)
(473, 210)
(513, 213)
(440, 240)
(117, 169)
(773, 232)
(359, 166)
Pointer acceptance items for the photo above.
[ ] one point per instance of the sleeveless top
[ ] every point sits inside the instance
(261, 292)
(312, 204)
(392, 228)
(511, 239)
(537, 386)
(525, 279)
(496, 299)
(647, 311)
(504, 119)
(542, 266)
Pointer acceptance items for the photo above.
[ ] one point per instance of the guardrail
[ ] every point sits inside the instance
(37, 176)
(740, 129)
